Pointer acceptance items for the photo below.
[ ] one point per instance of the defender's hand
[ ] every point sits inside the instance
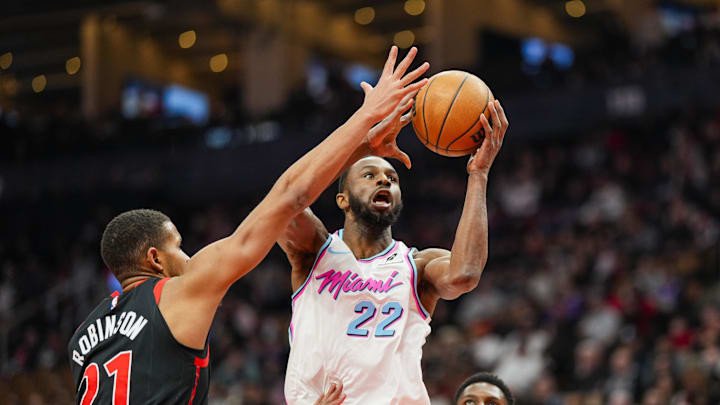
(382, 138)
(334, 396)
(393, 85)
(483, 158)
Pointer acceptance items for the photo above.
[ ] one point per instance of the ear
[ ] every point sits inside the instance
(342, 201)
(154, 261)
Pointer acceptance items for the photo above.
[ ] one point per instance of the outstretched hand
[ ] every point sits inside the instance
(393, 85)
(483, 158)
(382, 138)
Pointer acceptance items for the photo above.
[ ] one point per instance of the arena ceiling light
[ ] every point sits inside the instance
(219, 63)
(187, 39)
(575, 8)
(6, 60)
(404, 39)
(365, 15)
(72, 65)
(38, 83)
(414, 7)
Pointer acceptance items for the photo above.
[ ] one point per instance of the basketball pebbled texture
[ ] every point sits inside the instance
(446, 116)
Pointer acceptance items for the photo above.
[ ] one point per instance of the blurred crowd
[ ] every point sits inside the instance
(664, 43)
(601, 287)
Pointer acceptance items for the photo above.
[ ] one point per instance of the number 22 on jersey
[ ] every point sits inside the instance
(117, 368)
(392, 311)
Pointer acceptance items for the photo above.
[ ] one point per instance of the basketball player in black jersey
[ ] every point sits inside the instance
(148, 345)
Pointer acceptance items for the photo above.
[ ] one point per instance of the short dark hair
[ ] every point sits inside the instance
(128, 236)
(486, 378)
(342, 180)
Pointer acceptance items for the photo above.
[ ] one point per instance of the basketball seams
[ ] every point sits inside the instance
(447, 113)
(427, 90)
(463, 151)
(447, 148)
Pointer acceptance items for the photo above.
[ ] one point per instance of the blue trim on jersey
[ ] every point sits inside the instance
(317, 257)
(417, 281)
(387, 249)
(338, 252)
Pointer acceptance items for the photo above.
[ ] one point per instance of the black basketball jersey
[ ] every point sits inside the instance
(124, 353)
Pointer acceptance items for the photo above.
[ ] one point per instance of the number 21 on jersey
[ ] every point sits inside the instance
(391, 312)
(117, 368)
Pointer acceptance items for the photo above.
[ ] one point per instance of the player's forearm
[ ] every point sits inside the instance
(470, 248)
(305, 233)
(307, 178)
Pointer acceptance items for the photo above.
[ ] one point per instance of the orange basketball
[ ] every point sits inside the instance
(447, 113)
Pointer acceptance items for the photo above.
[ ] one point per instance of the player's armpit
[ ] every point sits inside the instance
(304, 235)
(301, 241)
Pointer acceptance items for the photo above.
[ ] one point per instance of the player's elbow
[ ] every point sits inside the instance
(463, 282)
(293, 197)
(298, 201)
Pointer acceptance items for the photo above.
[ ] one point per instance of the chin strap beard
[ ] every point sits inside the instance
(374, 221)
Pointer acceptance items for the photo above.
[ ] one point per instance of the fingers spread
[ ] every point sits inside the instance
(403, 157)
(413, 88)
(486, 125)
(366, 87)
(406, 103)
(405, 63)
(405, 119)
(503, 117)
(390, 62)
(494, 115)
(419, 71)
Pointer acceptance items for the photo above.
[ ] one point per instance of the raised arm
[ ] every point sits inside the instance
(189, 302)
(449, 274)
(305, 234)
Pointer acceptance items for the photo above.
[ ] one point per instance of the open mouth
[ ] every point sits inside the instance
(382, 199)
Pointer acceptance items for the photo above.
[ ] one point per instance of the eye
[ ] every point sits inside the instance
(392, 178)
(368, 176)
(469, 402)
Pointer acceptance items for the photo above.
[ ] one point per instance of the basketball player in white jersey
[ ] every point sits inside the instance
(362, 301)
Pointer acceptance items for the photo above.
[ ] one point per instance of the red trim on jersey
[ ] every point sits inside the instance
(115, 294)
(157, 290)
(199, 363)
(137, 285)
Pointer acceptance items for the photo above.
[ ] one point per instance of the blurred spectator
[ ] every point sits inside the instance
(601, 286)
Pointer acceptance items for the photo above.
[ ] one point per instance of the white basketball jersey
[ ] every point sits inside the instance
(359, 322)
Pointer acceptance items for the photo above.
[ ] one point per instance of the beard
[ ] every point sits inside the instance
(373, 219)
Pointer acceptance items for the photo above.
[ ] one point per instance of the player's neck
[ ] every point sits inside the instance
(366, 241)
(135, 280)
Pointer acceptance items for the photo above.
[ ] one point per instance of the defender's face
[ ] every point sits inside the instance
(174, 258)
(375, 184)
(482, 393)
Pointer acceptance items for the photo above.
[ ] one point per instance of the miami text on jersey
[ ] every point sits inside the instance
(349, 281)
(128, 324)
